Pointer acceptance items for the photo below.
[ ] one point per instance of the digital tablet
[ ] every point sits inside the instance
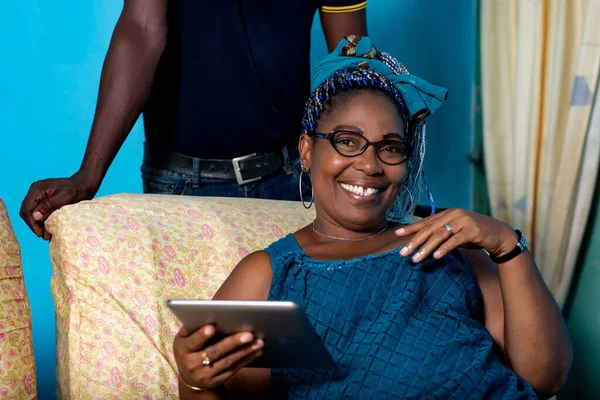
(290, 340)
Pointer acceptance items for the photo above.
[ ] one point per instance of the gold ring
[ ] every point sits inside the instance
(206, 360)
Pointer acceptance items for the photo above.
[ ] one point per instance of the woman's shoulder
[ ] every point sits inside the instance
(282, 247)
(256, 259)
(255, 268)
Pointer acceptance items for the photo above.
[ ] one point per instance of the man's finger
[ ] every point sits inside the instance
(43, 210)
(36, 228)
(52, 201)
(32, 224)
(29, 203)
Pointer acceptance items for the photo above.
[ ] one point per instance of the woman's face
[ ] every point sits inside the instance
(341, 184)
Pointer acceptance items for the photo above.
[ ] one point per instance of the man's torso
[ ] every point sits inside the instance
(233, 78)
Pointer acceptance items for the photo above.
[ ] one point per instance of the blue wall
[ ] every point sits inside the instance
(50, 68)
(435, 40)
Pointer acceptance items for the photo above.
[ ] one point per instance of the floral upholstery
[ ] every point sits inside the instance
(117, 259)
(17, 368)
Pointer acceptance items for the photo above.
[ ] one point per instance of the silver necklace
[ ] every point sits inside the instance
(345, 239)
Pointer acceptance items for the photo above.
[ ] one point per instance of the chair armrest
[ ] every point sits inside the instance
(117, 259)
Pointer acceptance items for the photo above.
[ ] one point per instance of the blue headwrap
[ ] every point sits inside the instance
(356, 63)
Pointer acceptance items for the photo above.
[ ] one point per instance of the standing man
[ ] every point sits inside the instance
(221, 86)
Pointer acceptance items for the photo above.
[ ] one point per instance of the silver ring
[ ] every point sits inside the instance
(449, 229)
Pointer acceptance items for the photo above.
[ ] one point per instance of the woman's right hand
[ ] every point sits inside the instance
(225, 357)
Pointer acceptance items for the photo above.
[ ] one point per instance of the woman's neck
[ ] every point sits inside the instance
(327, 230)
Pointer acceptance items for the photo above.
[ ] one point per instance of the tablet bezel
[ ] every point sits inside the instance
(290, 339)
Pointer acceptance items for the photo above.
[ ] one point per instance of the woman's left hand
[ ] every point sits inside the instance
(441, 233)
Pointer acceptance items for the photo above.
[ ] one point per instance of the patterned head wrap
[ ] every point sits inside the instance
(356, 63)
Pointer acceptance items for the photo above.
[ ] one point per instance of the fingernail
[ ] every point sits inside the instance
(400, 231)
(437, 254)
(418, 256)
(404, 251)
(37, 215)
(259, 344)
(209, 330)
(246, 338)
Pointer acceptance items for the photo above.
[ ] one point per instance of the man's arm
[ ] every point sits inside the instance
(340, 18)
(138, 42)
(136, 46)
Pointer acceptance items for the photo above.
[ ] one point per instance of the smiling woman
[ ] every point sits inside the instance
(432, 320)
(362, 161)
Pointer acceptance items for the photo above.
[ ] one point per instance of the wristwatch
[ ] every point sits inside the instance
(519, 248)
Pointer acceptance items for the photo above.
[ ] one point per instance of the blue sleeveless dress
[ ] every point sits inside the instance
(396, 330)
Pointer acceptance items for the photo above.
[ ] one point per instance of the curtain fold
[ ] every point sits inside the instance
(539, 72)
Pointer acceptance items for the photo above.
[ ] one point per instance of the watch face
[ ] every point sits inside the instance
(523, 242)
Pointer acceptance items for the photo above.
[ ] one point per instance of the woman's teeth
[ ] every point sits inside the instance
(359, 190)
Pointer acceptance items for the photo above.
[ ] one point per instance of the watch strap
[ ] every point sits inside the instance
(518, 249)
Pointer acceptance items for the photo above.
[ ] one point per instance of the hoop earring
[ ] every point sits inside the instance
(411, 198)
(397, 203)
(312, 198)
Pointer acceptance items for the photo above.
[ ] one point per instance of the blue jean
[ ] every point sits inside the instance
(281, 186)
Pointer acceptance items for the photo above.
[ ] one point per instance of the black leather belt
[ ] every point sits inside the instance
(246, 169)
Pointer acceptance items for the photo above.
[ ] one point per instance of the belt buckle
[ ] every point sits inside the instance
(238, 173)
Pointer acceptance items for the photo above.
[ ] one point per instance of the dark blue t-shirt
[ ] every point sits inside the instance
(234, 76)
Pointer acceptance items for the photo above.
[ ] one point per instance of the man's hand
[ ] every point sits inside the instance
(137, 43)
(46, 196)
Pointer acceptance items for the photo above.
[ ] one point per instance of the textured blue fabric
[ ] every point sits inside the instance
(418, 95)
(395, 329)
